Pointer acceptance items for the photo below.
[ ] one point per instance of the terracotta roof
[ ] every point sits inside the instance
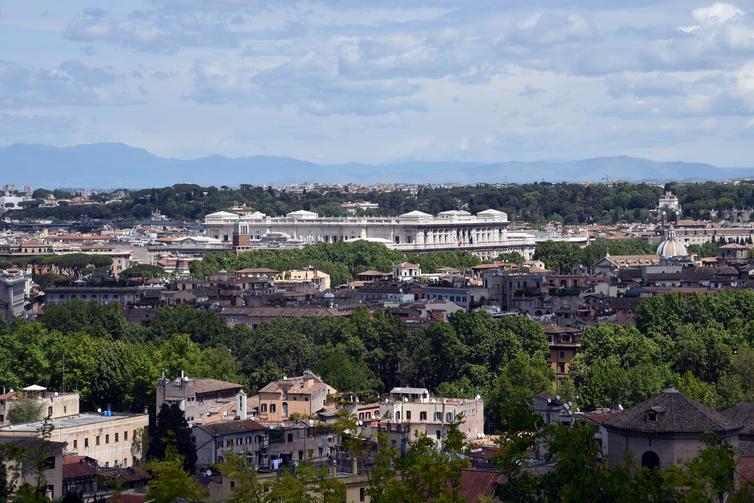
(78, 470)
(734, 246)
(475, 483)
(600, 417)
(231, 427)
(674, 412)
(294, 384)
(127, 498)
(373, 273)
(745, 468)
(549, 328)
(209, 385)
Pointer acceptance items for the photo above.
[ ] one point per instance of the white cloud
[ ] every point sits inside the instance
(308, 84)
(70, 83)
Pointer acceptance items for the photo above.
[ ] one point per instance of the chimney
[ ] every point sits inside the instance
(354, 466)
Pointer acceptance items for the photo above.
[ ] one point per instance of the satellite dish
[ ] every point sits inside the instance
(209, 473)
(405, 399)
(478, 397)
(99, 410)
(620, 407)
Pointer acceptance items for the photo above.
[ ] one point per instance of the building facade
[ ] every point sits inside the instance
(412, 411)
(113, 439)
(304, 395)
(203, 400)
(484, 234)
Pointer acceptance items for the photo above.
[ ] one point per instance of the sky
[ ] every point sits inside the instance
(382, 81)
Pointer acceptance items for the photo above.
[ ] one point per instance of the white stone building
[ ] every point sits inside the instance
(484, 234)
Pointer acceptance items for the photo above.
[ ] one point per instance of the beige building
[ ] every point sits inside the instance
(412, 411)
(303, 395)
(113, 439)
(53, 404)
(320, 279)
(24, 470)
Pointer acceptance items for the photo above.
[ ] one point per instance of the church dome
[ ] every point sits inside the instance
(672, 246)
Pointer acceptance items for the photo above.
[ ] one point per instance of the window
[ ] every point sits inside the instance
(116, 437)
(290, 437)
(125, 435)
(49, 411)
(449, 417)
(86, 443)
(423, 415)
(300, 455)
(107, 438)
(438, 416)
(397, 415)
(273, 408)
(125, 462)
(75, 444)
(652, 416)
(408, 415)
(362, 494)
(97, 442)
(264, 407)
(438, 434)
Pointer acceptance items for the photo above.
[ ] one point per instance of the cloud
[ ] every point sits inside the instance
(549, 28)
(70, 83)
(158, 31)
(309, 84)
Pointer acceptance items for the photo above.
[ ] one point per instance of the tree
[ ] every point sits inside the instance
(25, 411)
(170, 433)
(510, 400)
(170, 481)
(143, 272)
(247, 487)
(560, 256)
(306, 484)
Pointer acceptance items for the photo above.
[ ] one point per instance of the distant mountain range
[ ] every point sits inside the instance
(112, 165)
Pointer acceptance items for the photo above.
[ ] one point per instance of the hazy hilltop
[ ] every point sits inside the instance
(105, 165)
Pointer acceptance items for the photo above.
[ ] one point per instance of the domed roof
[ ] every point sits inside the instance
(671, 412)
(672, 246)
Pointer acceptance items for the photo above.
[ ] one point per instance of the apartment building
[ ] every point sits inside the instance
(304, 395)
(113, 439)
(411, 411)
(266, 447)
(203, 400)
(53, 404)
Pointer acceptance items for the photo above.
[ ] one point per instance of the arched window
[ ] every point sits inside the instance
(650, 460)
(285, 409)
(264, 407)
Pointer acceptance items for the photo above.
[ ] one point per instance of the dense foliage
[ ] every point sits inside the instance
(564, 257)
(109, 361)
(702, 343)
(535, 202)
(342, 261)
